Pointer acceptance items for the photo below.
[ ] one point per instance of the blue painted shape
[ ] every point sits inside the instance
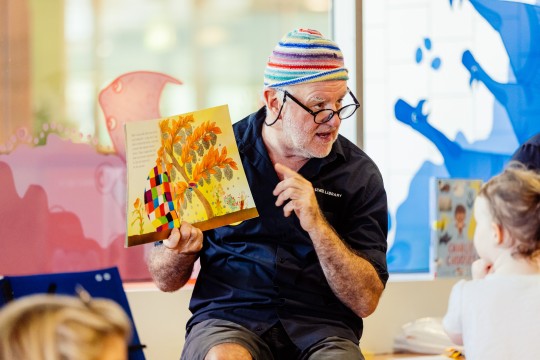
(518, 25)
(410, 250)
(517, 108)
(459, 162)
(436, 63)
(418, 56)
(427, 43)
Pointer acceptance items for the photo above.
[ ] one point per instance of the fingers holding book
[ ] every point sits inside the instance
(187, 240)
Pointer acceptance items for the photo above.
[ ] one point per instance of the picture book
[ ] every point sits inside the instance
(184, 168)
(453, 222)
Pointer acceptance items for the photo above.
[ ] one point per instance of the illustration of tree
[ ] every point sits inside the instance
(191, 158)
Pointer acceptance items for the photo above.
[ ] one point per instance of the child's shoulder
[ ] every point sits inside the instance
(510, 282)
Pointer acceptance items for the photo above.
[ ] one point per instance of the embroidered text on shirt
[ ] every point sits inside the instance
(326, 192)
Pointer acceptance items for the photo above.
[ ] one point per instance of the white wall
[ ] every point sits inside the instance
(161, 317)
(403, 302)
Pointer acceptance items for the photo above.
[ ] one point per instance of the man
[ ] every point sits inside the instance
(295, 282)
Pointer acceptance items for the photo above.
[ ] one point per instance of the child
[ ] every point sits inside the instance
(51, 327)
(495, 315)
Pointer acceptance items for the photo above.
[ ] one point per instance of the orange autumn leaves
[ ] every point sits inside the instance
(211, 163)
(201, 136)
(191, 158)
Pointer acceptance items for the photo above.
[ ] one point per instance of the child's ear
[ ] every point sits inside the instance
(498, 233)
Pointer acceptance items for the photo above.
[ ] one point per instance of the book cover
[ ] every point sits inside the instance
(184, 168)
(453, 222)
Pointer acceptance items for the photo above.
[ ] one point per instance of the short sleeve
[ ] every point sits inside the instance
(367, 228)
(452, 321)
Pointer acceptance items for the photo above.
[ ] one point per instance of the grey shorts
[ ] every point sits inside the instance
(207, 334)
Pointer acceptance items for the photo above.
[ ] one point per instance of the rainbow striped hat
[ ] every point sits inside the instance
(304, 56)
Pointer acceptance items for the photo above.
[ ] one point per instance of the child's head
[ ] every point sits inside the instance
(63, 327)
(508, 205)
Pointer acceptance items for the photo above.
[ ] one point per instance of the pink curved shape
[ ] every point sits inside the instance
(40, 238)
(131, 97)
(63, 204)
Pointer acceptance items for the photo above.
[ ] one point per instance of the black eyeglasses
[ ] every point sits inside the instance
(325, 115)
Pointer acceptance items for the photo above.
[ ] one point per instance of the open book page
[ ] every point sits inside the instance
(184, 168)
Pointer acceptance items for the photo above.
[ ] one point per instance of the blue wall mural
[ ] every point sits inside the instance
(515, 118)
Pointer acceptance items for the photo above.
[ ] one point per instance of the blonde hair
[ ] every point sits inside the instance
(514, 202)
(53, 327)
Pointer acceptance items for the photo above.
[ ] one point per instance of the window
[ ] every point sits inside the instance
(62, 183)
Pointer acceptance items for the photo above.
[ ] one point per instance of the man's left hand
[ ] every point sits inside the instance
(298, 195)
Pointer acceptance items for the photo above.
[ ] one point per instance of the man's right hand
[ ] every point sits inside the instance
(187, 240)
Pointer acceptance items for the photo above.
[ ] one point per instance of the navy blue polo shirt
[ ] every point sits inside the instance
(265, 269)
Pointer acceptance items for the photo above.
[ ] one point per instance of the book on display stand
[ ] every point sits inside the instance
(453, 226)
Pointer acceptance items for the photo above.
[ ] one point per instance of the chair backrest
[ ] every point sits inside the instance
(103, 283)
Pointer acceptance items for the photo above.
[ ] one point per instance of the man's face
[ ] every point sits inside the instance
(301, 135)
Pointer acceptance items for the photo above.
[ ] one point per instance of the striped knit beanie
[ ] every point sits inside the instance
(304, 56)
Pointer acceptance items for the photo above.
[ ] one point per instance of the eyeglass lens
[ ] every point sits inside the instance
(327, 114)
